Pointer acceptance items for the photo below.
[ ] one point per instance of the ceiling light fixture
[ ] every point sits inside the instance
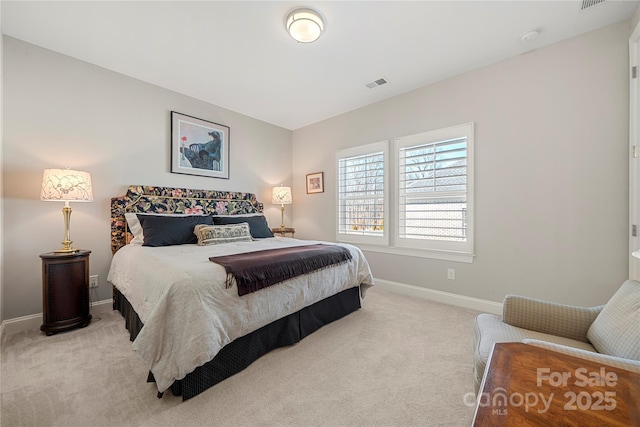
(304, 25)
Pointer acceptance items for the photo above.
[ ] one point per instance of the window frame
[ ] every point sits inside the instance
(390, 243)
(358, 151)
(435, 136)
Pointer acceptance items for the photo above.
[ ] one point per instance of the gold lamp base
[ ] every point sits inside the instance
(66, 243)
(282, 227)
(66, 248)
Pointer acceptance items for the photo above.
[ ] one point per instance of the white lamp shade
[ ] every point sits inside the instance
(66, 185)
(281, 196)
(304, 25)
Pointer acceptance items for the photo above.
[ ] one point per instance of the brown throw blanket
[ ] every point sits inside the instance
(256, 270)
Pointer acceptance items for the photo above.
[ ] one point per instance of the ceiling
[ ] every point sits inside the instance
(237, 55)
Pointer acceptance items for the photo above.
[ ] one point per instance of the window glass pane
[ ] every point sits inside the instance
(361, 175)
(361, 194)
(445, 161)
(442, 219)
(426, 172)
(362, 216)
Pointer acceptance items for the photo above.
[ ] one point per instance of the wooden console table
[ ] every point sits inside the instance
(528, 385)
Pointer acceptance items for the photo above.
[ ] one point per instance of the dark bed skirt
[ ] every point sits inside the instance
(237, 355)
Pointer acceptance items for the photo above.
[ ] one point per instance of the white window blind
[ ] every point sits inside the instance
(433, 187)
(361, 194)
(433, 210)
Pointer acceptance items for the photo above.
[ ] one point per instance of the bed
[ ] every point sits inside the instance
(184, 312)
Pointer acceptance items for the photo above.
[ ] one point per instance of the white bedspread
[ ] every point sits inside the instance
(189, 315)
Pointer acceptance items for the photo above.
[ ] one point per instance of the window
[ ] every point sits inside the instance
(433, 197)
(362, 195)
(429, 176)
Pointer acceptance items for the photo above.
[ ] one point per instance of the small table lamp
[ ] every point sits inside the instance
(281, 196)
(66, 185)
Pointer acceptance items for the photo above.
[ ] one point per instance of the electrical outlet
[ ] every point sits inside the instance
(451, 274)
(93, 281)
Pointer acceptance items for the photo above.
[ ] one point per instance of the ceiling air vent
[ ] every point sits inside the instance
(381, 81)
(589, 3)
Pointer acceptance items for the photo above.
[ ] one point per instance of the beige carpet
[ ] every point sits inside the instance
(399, 361)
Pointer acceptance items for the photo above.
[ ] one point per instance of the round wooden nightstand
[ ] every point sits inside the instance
(65, 291)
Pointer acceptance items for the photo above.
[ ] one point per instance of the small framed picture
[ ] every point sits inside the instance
(199, 147)
(315, 183)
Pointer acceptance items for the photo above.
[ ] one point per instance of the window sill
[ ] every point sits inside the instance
(432, 254)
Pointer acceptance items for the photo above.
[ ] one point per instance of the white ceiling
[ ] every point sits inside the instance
(237, 55)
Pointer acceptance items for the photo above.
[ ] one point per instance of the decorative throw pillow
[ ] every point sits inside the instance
(616, 330)
(135, 228)
(257, 224)
(165, 230)
(216, 234)
(133, 223)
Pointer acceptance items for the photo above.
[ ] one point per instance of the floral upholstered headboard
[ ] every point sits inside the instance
(165, 200)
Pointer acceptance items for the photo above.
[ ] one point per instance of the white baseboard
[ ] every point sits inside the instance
(440, 296)
(33, 321)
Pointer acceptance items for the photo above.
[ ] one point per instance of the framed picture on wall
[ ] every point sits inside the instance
(199, 147)
(315, 183)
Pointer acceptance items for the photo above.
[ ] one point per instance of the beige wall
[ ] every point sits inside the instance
(59, 112)
(551, 171)
(551, 165)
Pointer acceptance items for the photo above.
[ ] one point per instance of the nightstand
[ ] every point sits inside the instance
(283, 231)
(65, 291)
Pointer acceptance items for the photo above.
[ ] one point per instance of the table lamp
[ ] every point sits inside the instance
(66, 185)
(281, 196)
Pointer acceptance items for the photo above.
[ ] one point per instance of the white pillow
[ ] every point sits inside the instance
(616, 330)
(136, 229)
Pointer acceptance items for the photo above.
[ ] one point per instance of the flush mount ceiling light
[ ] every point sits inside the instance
(304, 25)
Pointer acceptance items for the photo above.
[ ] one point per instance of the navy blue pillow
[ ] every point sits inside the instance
(164, 230)
(258, 226)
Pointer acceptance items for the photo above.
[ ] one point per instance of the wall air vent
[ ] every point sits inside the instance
(589, 3)
(381, 81)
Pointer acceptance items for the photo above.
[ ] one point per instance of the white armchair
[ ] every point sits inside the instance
(609, 334)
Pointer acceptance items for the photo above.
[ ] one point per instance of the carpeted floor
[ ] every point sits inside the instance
(398, 361)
